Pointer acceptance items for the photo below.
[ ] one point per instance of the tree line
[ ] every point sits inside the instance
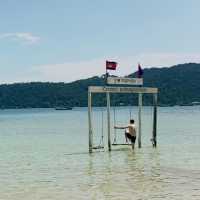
(178, 85)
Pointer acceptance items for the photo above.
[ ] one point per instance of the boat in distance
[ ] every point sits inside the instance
(63, 108)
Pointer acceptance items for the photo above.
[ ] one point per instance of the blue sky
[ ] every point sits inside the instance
(65, 40)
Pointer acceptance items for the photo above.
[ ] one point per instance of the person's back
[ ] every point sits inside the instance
(130, 132)
(132, 129)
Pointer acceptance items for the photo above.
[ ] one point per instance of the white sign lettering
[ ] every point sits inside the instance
(124, 81)
(103, 89)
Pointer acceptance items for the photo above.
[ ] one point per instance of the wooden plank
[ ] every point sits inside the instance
(155, 120)
(102, 89)
(120, 144)
(139, 120)
(108, 120)
(90, 121)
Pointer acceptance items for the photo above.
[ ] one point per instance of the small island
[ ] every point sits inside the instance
(178, 85)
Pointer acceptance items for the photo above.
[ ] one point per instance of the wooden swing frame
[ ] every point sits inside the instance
(137, 90)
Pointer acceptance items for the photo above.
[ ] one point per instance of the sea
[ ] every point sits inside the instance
(44, 155)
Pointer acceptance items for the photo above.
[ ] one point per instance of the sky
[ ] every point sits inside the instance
(66, 40)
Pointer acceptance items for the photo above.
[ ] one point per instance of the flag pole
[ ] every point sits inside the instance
(106, 75)
(138, 72)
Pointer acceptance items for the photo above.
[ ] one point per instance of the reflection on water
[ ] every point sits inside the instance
(44, 156)
(138, 175)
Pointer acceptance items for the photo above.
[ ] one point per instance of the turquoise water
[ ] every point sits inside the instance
(43, 155)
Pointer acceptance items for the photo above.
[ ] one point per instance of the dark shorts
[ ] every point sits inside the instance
(130, 137)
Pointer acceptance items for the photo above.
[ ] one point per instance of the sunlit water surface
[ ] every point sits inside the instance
(44, 156)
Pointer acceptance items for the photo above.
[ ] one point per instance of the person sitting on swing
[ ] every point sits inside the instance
(130, 132)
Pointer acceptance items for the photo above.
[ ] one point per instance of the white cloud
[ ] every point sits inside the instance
(28, 38)
(70, 71)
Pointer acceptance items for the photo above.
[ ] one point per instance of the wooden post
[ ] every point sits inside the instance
(108, 120)
(90, 121)
(154, 135)
(139, 120)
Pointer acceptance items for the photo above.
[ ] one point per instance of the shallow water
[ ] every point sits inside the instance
(44, 156)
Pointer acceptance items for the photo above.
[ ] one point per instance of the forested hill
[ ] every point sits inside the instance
(178, 85)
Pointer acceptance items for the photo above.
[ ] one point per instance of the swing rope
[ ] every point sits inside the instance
(101, 142)
(102, 128)
(115, 131)
(130, 112)
(152, 113)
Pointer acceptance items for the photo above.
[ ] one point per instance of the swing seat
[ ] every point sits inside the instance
(115, 144)
(98, 147)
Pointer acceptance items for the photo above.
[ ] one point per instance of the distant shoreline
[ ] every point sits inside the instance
(98, 107)
(177, 85)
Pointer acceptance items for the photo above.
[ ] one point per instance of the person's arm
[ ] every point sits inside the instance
(120, 127)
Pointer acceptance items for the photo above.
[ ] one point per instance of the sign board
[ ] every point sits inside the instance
(124, 81)
(102, 89)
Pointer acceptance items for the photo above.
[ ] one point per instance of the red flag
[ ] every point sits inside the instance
(140, 71)
(111, 65)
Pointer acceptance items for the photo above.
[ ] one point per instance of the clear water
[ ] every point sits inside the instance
(43, 156)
